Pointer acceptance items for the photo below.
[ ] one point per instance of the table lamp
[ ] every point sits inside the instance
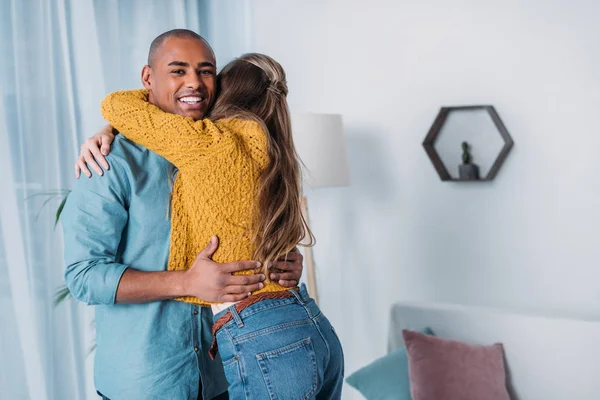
(319, 141)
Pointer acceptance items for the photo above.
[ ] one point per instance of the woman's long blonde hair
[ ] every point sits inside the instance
(254, 86)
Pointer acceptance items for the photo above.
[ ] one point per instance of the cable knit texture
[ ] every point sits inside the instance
(219, 165)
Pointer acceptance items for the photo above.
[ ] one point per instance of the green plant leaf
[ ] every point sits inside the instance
(62, 293)
(49, 193)
(60, 209)
(50, 198)
(91, 349)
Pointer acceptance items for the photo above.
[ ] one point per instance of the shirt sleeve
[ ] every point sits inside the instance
(93, 221)
(176, 138)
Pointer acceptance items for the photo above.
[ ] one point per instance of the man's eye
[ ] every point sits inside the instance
(206, 72)
(178, 71)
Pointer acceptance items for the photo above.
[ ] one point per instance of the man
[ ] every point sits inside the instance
(117, 243)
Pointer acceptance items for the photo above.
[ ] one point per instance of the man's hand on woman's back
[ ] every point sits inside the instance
(287, 270)
(213, 282)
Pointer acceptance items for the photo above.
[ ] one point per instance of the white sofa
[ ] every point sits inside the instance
(547, 358)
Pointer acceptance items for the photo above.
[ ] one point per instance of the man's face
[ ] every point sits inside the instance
(182, 79)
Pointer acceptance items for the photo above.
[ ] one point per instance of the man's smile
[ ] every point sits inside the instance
(192, 102)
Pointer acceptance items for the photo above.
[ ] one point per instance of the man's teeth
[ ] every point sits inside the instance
(191, 100)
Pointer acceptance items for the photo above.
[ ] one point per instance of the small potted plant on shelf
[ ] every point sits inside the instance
(467, 171)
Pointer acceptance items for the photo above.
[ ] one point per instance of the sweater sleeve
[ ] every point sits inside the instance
(174, 137)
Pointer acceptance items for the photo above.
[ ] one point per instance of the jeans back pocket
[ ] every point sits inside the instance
(290, 372)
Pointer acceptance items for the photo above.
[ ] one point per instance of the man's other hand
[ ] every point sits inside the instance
(288, 269)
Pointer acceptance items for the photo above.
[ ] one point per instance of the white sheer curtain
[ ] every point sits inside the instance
(58, 58)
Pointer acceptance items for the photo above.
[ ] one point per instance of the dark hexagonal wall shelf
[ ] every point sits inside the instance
(479, 124)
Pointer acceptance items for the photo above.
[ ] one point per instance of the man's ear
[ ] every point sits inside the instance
(147, 77)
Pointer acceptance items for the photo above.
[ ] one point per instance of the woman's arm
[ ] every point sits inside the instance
(93, 151)
(172, 136)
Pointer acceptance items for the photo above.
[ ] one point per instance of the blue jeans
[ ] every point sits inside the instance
(222, 396)
(281, 349)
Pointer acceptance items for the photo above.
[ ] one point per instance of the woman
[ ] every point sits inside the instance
(239, 178)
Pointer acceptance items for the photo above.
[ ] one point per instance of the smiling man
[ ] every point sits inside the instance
(117, 233)
(170, 69)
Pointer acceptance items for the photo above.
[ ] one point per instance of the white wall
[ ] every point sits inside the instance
(529, 239)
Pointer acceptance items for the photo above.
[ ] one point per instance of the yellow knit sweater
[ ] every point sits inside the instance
(219, 165)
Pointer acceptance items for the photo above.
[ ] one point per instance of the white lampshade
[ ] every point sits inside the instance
(319, 140)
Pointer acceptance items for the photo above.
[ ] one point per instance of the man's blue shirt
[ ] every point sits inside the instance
(156, 350)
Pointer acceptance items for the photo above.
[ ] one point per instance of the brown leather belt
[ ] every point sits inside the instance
(239, 307)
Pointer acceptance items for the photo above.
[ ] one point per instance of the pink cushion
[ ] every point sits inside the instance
(442, 369)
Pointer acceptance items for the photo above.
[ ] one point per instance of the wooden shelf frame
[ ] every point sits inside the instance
(434, 131)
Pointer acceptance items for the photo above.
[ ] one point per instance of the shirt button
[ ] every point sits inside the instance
(195, 312)
(196, 349)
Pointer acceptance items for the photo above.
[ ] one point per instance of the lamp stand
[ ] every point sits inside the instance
(309, 261)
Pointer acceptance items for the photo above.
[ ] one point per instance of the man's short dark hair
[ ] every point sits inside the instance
(177, 33)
